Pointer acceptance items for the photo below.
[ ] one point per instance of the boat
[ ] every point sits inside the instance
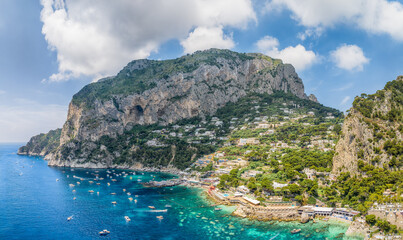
(131, 199)
(151, 207)
(109, 184)
(217, 209)
(57, 179)
(104, 232)
(98, 183)
(129, 194)
(69, 218)
(91, 191)
(127, 218)
(74, 198)
(124, 190)
(294, 231)
(162, 210)
(113, 193)
(168, 206)
(160, 217)
(71, 185)
(114, 202)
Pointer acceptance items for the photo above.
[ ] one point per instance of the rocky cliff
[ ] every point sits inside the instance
(372, 131)
(42, 144)
(161, 93)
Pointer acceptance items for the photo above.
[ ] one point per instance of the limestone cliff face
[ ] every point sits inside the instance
(371, 129)
(167, 91)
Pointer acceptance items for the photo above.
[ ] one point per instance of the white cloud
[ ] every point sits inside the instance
(298, 56)
(20, 122)
(345, 100)
(374, 16)
(97, 38)
(204, 38)
(349, 57)
(317, 32)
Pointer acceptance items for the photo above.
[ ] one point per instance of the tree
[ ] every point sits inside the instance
(370, 219)
(252, 184)
(311, 200)
(383, 224)
(266, 184)
(294, 188)
(299, 199)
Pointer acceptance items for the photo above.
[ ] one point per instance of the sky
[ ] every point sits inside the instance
(50, 49)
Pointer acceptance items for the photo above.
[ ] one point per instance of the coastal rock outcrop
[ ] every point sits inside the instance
(42, 144)
(262, 214)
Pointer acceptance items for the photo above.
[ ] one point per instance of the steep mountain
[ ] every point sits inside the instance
(372, 132)
(110, 122)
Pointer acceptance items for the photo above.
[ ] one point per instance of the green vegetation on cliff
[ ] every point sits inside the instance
(181, 143)
(42, 144)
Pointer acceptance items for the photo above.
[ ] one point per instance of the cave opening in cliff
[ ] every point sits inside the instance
(139, 110)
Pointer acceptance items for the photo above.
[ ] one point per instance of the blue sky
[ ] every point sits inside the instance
(51, 49)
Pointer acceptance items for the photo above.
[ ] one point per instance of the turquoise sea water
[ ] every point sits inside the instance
(36, 206)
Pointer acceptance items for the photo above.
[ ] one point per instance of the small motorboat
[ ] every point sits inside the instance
(294, 231)
(151, 207)
(113, 193)
(131, 199)
(217, 209)
(69, 218)
(124, 190)
(168, 206)
(57, 179)
(91, 191)
(71, 185)
(109, 184)
(114, 202)
(129, 194)
(98, 183)
(104, 232)
(160, 217)
(127, 219)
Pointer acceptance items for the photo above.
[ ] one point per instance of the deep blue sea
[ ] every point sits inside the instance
(34, 205)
